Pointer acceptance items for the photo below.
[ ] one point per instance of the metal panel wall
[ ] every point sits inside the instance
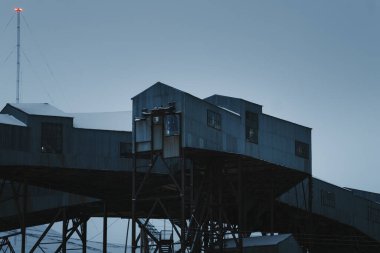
(81, 148)
(338, 204)
(276, 137)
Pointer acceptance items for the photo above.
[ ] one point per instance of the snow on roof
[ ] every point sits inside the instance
(10, 120)
(260, 240)
(43, 109)
(265, 240)
(228, 110)
(115, 121)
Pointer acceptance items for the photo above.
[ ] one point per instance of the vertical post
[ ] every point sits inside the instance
(310, 199)
(84, 236)
(105, 218)
(272, 209)
(240, 205)
(23, 223)
(18, 11)
(183, 218)
(220, 208)
(134, 242)
(126, 237)
(64, 231)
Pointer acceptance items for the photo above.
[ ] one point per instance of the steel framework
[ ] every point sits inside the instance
(204, 195)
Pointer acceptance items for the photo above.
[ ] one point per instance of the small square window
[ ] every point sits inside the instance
(302, 149)
(327, 198)
(172, 125)
(252, 127)
(214, 120)
(125, 149)
(252, 134)
(157, 120)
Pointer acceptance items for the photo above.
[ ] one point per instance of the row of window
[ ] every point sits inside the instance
(328, 200)
(52, 139)
(214, 120)
(52, 134)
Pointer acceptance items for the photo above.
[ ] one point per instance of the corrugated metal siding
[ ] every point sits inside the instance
(346, 207)
(81, 148)
(203, 136)
(276, 137)
(277, 142)
(289, 245)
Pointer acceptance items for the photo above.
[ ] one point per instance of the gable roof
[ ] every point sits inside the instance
(10, 120)
(41, 109)
(158, 85)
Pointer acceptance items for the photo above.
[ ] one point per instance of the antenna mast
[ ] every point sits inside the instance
(18, 11)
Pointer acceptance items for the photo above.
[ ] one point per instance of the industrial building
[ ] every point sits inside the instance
(219, 169)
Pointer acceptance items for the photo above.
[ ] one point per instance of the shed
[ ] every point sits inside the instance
(284, 243)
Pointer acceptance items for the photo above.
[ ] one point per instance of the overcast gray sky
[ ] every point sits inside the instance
(316, 63)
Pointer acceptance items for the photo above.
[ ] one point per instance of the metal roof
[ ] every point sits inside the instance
(260, 240)
(265, 240)
(41, 109)
(10, 120)
(114, 121)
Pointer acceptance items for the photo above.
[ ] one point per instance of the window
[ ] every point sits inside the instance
(214, 119)
(252, 127)
(327, 198)
(125, 149)
(157, 120)
(51, 138)
(171, 124)
(302, 149)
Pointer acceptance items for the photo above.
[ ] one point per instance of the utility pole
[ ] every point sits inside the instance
(18, 11)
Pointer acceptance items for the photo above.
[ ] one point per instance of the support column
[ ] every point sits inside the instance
(64, 231)
(105, 218)
(220, 209)
(272, 209)
(134, 242)
(310, 200)
(126, 237)
(23, 222)
(183, 218)
(84, 235)
(240, 205)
